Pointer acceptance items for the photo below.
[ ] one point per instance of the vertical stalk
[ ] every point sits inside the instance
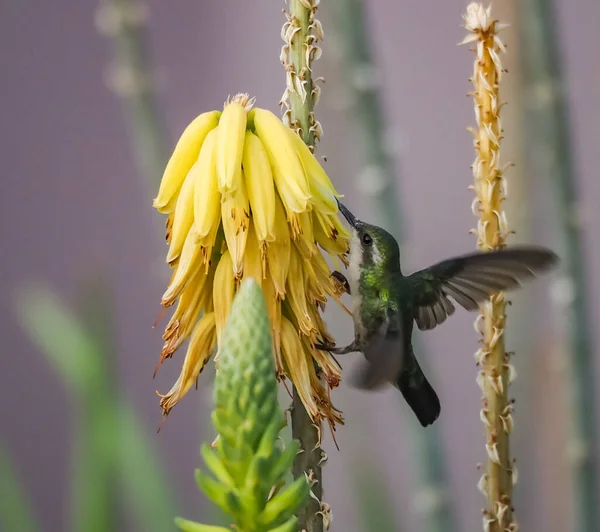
(130, 77)
(550, 147)
(301, 33)
(350, 17)
(378, 176)
(490, 188)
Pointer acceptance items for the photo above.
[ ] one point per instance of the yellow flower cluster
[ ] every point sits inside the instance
(245, 197)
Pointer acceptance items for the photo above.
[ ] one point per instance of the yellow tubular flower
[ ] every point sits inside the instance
(202, 344)
(207, 198)
(184, 156)
(321, 189)
(235, 214)
(187, 266)
(290, 179)
(298, 365)
(296, 294)
(274, 310)
(190, 306)
(183, 218)
(223, 295)
(331, 369)
(244, 197)
(261, 190)
(278, 252)
(230, 143)
(327, 236)
(252, 259)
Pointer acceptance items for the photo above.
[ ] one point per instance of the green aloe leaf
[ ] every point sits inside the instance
(16, 512)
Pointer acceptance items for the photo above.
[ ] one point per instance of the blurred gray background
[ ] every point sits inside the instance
(73, 202)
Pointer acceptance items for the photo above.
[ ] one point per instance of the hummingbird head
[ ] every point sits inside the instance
(371, 246)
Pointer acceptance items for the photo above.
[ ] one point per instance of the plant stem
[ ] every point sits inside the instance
(378, 177)
(301, 33)
(495, 375)
(130, 77)
(352, 27)
(551, 147)
(307, 461)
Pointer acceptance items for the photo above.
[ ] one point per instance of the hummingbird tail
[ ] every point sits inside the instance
(417, 392)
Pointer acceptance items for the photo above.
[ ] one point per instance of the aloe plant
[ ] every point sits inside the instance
(249, 463)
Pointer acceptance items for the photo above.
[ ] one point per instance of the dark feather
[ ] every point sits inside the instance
(417, 391)
(471, 279)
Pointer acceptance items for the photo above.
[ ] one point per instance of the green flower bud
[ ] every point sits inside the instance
(249, 462)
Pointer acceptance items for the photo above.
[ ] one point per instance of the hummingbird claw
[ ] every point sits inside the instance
(337, 350)
(323, 347)
(343, 282)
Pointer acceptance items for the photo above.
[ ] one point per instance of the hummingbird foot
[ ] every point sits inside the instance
(351, 348)
(342, 281)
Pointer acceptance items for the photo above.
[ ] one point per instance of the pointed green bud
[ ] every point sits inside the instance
(282, 506)
(249, 461)
(190, 526)
(289, 526)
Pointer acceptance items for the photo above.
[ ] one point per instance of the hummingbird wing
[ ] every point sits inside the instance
(471, 279)
(384, 354)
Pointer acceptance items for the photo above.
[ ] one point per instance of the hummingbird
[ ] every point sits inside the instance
(386, 304)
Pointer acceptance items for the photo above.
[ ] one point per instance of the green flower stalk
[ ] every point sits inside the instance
(349, 18)
(301, 34)
(131, 78)
(248, 462)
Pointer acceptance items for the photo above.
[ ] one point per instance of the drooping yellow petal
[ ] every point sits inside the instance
(202, 344)
(261, 189)
(230, 146)
(274, 310)
(235, 214)
(184, 156)
(188, 265)
(322, 272)
(278, 251)
(305, 239)
(296, 294)
(252, 260)
(191, 303)
(223, 292)
(340, 233)
(326, 409)
(330, 369)
(298, 364)
(288, 173)
(207, 198)
(322, 191)
(209, 245)
(324, 230)
(320, 333)
(183, 218)
(314, 290)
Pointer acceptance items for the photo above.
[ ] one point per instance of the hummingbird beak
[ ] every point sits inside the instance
(347, 214)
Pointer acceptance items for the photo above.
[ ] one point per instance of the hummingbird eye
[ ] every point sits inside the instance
(366, 239)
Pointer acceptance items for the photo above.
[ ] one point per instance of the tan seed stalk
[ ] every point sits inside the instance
(490, 188)
(301, 33)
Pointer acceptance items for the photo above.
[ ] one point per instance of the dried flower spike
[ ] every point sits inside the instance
(492, 231)
(246, 198)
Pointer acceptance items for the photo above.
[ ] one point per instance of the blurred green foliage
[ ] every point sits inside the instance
(113, 458)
